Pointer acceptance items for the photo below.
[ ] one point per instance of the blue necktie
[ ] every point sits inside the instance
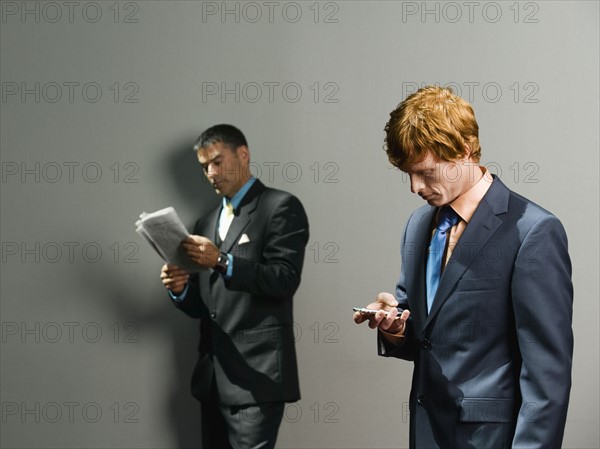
(446, 219)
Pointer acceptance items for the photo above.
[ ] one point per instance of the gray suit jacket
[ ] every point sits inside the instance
(493, 358)
(247, 348)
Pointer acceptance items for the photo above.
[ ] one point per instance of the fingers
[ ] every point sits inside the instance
(172, 270)
(196, 239)
(204, 258)
(196, 245)
(201, 250)
(174, 275)
(387, 316)
(405, 315)
(388, 319)
(396, 325)
(174, 278)
(193, 247)
(386, 299)
(359, 317)
(379, 318)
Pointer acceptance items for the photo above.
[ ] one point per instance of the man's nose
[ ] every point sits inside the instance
(211, 171)
(416, 184)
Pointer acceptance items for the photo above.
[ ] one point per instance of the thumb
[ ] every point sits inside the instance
(387, 299)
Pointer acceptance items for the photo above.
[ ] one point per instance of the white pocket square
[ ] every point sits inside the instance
(243, 239)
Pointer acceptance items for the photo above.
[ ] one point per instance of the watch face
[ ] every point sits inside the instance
(222, 262)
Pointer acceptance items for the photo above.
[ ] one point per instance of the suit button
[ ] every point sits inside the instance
(213, 315)
(426, 344)
(422, 399)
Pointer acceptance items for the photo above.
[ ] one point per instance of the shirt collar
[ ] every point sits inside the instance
(239, 195)
(466, 204)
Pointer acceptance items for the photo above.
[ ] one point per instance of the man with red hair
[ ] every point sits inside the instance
(483, 306)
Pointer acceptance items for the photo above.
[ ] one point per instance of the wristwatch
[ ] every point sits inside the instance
(222, 263)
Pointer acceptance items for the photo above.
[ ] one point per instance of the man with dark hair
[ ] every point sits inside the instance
(484, 302)
(251, 251)
(226, 134)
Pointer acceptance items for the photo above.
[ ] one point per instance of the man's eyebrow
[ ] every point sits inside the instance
(211, 160)
(420, 170)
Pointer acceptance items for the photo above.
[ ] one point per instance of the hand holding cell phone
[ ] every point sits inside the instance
(393, 319)
(367, 312)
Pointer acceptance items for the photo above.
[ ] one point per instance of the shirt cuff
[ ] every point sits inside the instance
(180, 297)
(227, 275)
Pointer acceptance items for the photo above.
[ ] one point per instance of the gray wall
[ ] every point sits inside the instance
(101, 102)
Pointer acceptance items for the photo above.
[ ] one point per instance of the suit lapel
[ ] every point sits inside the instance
(480, 229)
(243, 215)
(208, 228)
(213, 226)
(415, 266)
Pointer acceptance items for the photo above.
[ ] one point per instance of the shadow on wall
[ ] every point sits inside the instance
(135, 294)
(198, 198)
(193, 190)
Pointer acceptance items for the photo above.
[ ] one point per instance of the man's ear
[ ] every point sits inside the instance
(243, 152)
(468, 153)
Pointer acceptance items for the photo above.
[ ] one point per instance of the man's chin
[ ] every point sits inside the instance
(435, 202)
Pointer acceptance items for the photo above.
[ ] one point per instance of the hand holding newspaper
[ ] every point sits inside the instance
(164, 231)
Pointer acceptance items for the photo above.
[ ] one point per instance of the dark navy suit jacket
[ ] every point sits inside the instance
(493, 357)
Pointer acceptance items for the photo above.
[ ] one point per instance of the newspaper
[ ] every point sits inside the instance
(164, 231)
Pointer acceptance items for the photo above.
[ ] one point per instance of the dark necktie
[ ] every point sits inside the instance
(446, 219)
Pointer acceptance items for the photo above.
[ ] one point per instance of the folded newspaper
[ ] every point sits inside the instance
(164, 231)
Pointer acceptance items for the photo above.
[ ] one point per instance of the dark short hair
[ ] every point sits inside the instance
(226, 134)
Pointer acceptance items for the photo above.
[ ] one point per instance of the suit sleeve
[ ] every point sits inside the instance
(405, 350)
(191, 305)
(277, 274)
(542, 295)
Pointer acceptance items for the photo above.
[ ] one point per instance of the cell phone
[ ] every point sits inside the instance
(373, 311)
